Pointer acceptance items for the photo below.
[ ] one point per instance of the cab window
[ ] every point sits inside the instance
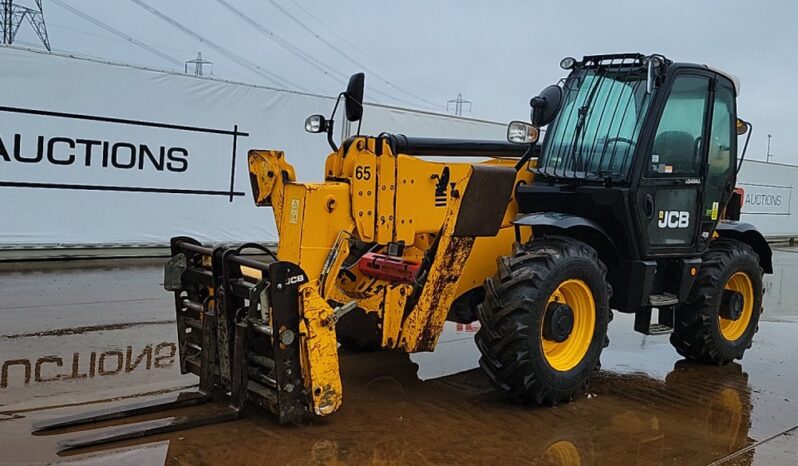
(678, 145)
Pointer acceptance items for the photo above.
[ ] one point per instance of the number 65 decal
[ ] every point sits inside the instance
(363, 172)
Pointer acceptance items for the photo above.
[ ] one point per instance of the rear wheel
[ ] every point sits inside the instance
(544, 320)
(718, 322)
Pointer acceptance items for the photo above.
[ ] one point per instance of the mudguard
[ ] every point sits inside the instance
(748, 234)
(545, 222)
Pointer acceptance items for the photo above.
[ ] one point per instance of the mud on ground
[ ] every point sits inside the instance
(81, 335)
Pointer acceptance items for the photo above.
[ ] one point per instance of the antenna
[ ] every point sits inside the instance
(14, 15)
(458, 104)
(197, 66)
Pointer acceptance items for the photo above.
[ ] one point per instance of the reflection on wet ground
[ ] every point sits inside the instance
(101, 335)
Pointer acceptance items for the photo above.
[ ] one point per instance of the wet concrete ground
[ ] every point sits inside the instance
(76, 336)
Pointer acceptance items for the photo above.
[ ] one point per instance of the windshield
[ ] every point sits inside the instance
(597, 129)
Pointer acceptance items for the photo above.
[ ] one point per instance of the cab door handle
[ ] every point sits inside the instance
(649, 206)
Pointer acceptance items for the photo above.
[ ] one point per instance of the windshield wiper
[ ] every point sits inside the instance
(580, 123)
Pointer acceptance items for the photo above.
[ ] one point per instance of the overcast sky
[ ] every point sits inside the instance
(421, 53)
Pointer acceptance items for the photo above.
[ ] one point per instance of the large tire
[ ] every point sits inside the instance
(700, 333)
(464, 308)
(359, 331)
(518, 359)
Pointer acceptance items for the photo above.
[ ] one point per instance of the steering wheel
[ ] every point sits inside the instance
(615, 140)
(618, 139)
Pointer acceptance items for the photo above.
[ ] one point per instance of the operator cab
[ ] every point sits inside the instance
(639, 157)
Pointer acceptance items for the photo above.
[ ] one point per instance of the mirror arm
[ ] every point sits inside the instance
(330, 136)
(335, 107)
(525, 158)
(745, 146)
(331, 123)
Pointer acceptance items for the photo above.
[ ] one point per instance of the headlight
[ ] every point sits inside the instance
(519, 132)
(568, 63)
(315, 124)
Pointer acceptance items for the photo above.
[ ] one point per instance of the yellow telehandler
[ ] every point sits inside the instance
(629, 204)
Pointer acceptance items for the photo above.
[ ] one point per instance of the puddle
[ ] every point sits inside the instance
(646, 406)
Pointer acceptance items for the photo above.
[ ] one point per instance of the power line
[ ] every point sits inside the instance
(317, 64)
(345, 55)
(116, 32)
(273, 77)
(51, 25)
(362, 52)
(301, 54)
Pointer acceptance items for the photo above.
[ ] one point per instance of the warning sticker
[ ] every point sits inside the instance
(294, 214)
(714, 211)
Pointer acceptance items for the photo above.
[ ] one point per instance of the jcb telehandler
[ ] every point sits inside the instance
(630, 204)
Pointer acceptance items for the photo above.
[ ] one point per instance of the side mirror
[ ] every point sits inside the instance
(519, 132)
(546, 106)
(354, 97)
(316, 124)
(742, 127)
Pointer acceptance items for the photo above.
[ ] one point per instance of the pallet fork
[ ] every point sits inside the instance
(227, 309)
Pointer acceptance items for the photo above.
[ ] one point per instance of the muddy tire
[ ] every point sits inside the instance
(701, 332)
(544, 320)
(358, 331)
(359, 345)
(464, 308)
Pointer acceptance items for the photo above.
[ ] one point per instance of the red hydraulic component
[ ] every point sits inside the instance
(394, 269)
(741, 192)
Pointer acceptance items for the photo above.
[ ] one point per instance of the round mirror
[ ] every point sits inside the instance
(741, 127)
(546, 105)
(354, 97)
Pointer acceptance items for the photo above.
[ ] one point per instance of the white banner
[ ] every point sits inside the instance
(94, 153)
(763, 199)
(102, 154)
(767, 202)
(77, 151)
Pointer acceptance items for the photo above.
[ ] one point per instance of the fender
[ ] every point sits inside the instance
(748, 234)
(574, 226)
(549, 221)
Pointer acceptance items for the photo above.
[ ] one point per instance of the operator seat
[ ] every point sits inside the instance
(678, 149)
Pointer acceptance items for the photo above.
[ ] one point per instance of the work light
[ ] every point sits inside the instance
(519, 132)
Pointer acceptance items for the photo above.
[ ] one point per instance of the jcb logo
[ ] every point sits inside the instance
(674, 219)
(295, 279)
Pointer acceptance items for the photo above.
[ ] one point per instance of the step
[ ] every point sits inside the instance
(662, 300)
(662, 325)
(659, 329)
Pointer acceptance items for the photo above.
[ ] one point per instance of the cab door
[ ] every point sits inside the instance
(670, 194)
(721, 167)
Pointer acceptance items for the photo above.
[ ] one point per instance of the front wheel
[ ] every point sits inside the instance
(718, 322)
(544, 320)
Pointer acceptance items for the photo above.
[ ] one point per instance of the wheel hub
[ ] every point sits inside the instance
(731, 305)
(558, 322)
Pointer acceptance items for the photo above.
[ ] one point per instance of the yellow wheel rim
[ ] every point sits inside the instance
(562, 453)
(731, 408)
(734, 329)
(565, 355)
